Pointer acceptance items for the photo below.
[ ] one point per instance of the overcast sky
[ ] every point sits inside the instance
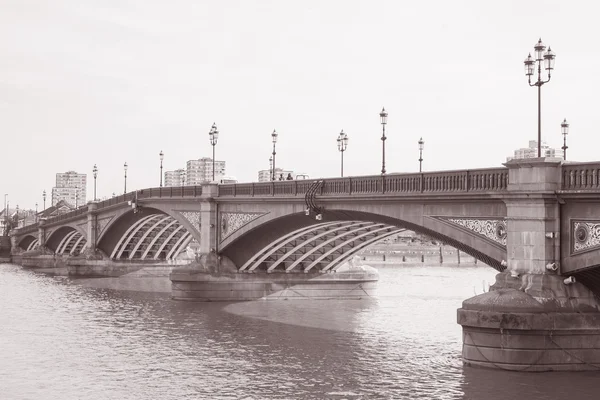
(100, 81)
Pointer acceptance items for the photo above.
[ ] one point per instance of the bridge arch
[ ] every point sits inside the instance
(66, 237)
(149, 234)
(300, 241)
(28, 242)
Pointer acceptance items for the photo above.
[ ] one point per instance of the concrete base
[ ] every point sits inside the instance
(200, 282)
(532, 323)
(92, 267)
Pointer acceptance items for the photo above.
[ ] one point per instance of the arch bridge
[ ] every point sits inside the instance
(526, 215)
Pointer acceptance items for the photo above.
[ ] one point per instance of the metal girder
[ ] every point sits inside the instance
(347, 233)
(162, 246)
(314, 239)
(337, 263)
(75, 247)
(158, 235)
(64, 240)
(131, 232)
(294, 234)
(33, 244)
(315, 262)
(183, 241)
(126, 234)
(145, 235)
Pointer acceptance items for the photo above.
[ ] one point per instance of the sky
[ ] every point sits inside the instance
(105, 82)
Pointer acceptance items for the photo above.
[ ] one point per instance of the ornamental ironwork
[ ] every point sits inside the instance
(491, 228)
(193, 217)
(232, 221)
(586, 235)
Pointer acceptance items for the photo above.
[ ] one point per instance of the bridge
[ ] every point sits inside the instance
(537, 221)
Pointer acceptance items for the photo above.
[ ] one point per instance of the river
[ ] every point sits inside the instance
(60, 339)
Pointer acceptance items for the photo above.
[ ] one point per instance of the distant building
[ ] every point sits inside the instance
(265, 174)
(70, 187)
(201, 171)
(532, 151)
(175, 178)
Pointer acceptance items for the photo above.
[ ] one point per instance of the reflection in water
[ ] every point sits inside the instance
(61, 339)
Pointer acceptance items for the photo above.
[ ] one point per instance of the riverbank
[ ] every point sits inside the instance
(416, 253)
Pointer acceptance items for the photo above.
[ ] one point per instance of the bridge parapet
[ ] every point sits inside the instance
(581, 176)
(160, 192)
(483, 180)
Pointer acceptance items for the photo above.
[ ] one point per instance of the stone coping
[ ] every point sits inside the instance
(529, 320)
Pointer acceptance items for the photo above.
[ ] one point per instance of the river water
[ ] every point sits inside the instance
(60, 339)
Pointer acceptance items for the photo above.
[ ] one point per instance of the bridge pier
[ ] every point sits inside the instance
(532, 319)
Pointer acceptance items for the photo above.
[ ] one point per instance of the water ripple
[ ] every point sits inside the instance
(60, 339)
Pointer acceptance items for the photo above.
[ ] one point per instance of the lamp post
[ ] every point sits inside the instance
(421, 146)
(44, 197)
(161, 155)
(76, 196)
(274, 138)
(548, 58)
(95, 171)
(271, 167)
(342, 142)
(125, 168)
(383, 116)
(36, 211)
(17, 216)
(564, 129)
(214, 136)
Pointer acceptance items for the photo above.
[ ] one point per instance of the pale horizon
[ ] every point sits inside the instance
(108, 82)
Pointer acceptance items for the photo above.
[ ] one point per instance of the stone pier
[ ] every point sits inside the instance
(532, 319)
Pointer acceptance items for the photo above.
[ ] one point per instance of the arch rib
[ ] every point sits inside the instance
(162, 246)
(77, 244)
(312, 239)
(183, 237)
(325, 243)
(69, 244)
(120, 242)
(335, 264)
(126, 238)
(163, 230)
(64, 240)
(315, 262)
(145, 235)
(32, 245)
(296, 233)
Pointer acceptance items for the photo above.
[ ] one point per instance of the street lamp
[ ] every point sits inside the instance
(271, 167)
(44, 197)
(564, 129)
(342, 142)
(548, 58)
(274, 137)
(95, 171)
(383, 116)
(125, 168)
(421, 146)
(17, 216)
(214, 136)
(161, 155)
(36, 211)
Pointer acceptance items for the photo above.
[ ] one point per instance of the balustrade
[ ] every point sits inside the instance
(483, 180)
(581, 176)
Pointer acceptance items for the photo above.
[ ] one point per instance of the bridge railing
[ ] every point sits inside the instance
(159, 192)
(581, 176)
(482, 180)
